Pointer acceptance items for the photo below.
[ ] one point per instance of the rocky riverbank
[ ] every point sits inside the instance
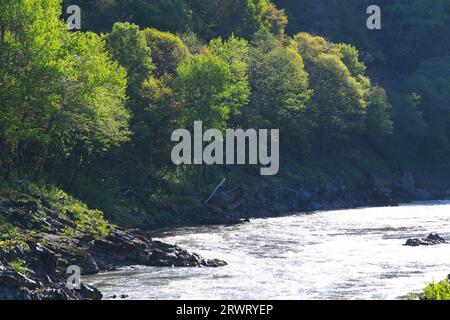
(274, 197)
(277, 195)
(40, 239)
(43, 232)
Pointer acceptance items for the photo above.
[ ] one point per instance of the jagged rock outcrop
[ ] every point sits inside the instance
(34, 265)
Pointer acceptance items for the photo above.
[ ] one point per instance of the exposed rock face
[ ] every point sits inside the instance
(125, 249)
(16, 286)
(35, 258)
(432, 239)
(46, 276)
(275, 197)
(11, 280)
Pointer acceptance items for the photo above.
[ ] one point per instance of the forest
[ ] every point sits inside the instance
(91, 112)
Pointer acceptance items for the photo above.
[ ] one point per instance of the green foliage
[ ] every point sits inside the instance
(30, 74)
(94, 113)
(276, 18)
(10, 237)
(431, 82)
(280, 88)
(99, 16)
(192, 41)
(350, 57)
(437, 291)
(168, 50)
(223, 18)
(408, 117)
(19, 265)
(127, 45)
(345, 104)
(203, 84)
(310, 46)
(379, 123)
(209, 19)
(412, 31)
(234, 52)
(341, 107)
(86, 222)
(407, 56)
(61, 96)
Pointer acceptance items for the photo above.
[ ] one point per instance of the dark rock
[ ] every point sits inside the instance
(87, 265)
(44, 259)
(48, 263)
(232, 220)
(121, 249)
(171, 256)
(216, 263)
(383, 198)
(14, 285)
(432, 239)
(13, 279)
(164, 255)
(124, 249)
(49, 253)
(413, 242)
(88, 292)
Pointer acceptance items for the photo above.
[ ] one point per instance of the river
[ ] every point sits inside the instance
(345, 254)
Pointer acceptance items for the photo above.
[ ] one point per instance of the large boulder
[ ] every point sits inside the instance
(164, 255)
(88, 292)
(124, 249)
(43, 259)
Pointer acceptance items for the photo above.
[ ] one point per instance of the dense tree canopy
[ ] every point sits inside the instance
(62, 96)
(90, 110)
(209, 19)
(280, 88)
(168, 50)
(412, 31)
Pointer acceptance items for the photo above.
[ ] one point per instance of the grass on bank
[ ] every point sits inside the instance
(36, 208)
(11, 236)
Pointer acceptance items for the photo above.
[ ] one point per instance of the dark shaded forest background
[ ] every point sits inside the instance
(92, 112)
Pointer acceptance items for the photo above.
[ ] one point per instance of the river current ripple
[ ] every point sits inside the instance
(345, 254)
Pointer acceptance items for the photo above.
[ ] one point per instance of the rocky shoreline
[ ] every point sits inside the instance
(45, 276)
(34, 265)
(278, 197)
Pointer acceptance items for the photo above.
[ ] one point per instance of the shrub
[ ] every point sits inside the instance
(19, 266)
(438, 291)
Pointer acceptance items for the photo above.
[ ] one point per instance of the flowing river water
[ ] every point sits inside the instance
(346, 254)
